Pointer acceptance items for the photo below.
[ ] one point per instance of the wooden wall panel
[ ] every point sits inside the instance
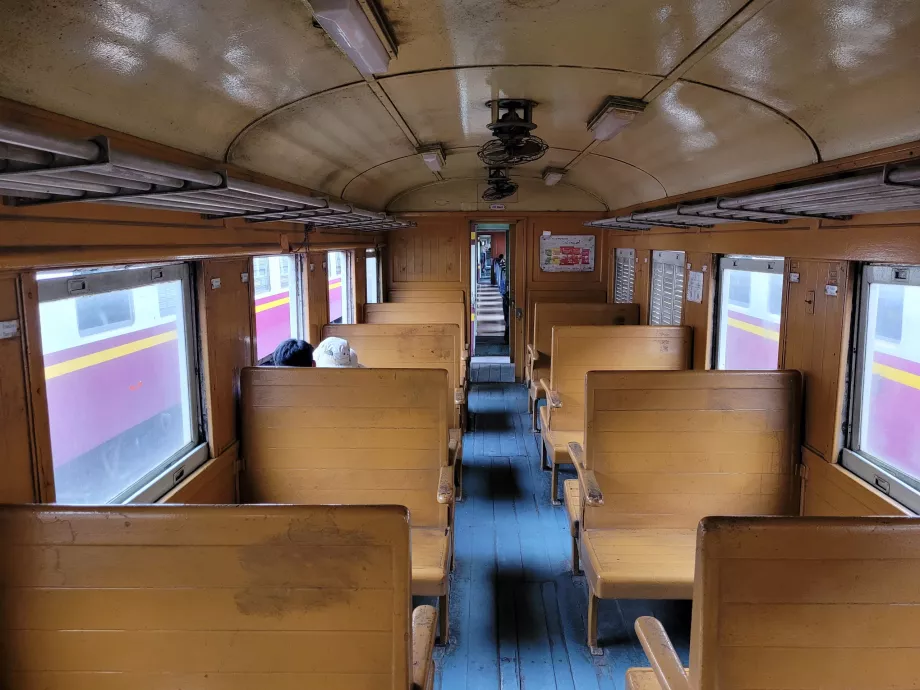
(699, 315)
(816, 333)
(643, 284)
(832, 490)
(226, 343)
(16, 458)
(316, 301)
(432, 256)
(359, 273)
(215, 482)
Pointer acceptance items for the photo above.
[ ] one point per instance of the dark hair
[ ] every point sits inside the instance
(501, 256)
(293, 353)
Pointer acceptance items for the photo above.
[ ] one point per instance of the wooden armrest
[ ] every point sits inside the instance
(446, 485)
(424, 620)
(459, 396)
(552, 397)
(590, 489)
(665, 662)
(577, 453)
(532, 353)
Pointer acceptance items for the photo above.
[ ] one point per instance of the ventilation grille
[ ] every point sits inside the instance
(36, 169)
(667, 289)
(625, 277)
(893, 188)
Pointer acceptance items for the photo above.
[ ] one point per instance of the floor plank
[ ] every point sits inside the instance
(518, 613)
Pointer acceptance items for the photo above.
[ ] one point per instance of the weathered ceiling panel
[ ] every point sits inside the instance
(617, 183)
(650, 36)
(463, 195)
(693, 137)
(186, 73)
(845, 70)
(450, 106)
(375, 187)
(323, 142)
(464, 163)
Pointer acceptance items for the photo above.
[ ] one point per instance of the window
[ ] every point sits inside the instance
(278, 301)
(341, 287)
(667, 289)
(884, 444)
(372, 276)
(119, 361)
(625, 276)
(739, 288)
(750, 302)
(106, 312)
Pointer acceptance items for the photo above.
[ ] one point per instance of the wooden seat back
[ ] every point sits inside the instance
(807, 603)
(440, 296)
(273, 597)
(350, 436)
(412, 347)
(420, 313)
(577, 350)
(670, 448)
(547, 315)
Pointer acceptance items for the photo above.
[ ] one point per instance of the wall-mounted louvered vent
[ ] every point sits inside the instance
(667, 289)
(37, 169)
(894, 188)
(625, 276)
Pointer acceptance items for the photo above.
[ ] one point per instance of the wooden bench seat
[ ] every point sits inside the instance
(805, 603)
(438, 346)
(577, 350)
(546, 315)
(640, 563)
(571, 498)
(420, 313)
(229, 597)
(355, 437)
(662, 451)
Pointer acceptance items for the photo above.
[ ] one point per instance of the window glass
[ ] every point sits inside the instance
(667, 296)
(888, 395)
(750, 302)
(341, 288)
(119, 368)
(277, 301)
(373, 277)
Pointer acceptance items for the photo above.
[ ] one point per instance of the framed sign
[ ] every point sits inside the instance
(567, 253)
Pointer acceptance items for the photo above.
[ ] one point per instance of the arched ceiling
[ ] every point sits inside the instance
(737, 88)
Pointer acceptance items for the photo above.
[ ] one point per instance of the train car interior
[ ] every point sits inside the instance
(440, 345)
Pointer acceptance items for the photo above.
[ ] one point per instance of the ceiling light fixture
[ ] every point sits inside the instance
(348, 25)
(615, 113)
(552, 176)
(433, 156)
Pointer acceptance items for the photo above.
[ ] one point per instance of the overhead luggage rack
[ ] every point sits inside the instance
(893, 188)
(37, 169)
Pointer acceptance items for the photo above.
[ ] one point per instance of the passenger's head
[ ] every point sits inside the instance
(293, 353)
(335, 352)
(501, 256)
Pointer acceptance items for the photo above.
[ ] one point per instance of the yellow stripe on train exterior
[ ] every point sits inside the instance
(898, 375)
(77, 363)
(756, 330)
(272, 304)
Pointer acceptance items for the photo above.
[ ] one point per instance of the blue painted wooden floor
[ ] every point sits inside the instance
(517, 613)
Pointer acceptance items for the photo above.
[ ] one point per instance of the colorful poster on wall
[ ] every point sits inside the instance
(567, 253)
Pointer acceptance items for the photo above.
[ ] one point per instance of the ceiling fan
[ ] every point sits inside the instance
(500, 185)
(511, 127)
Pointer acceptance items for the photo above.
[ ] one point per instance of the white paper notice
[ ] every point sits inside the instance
(695, 287)
(566, 253)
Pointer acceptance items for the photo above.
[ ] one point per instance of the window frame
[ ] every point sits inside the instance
(892, 482)
(373, 252)
(668, 258)
(71, 283)
(295, 284)
(749, 264)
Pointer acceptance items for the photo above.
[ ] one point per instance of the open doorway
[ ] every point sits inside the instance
(491, 290)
